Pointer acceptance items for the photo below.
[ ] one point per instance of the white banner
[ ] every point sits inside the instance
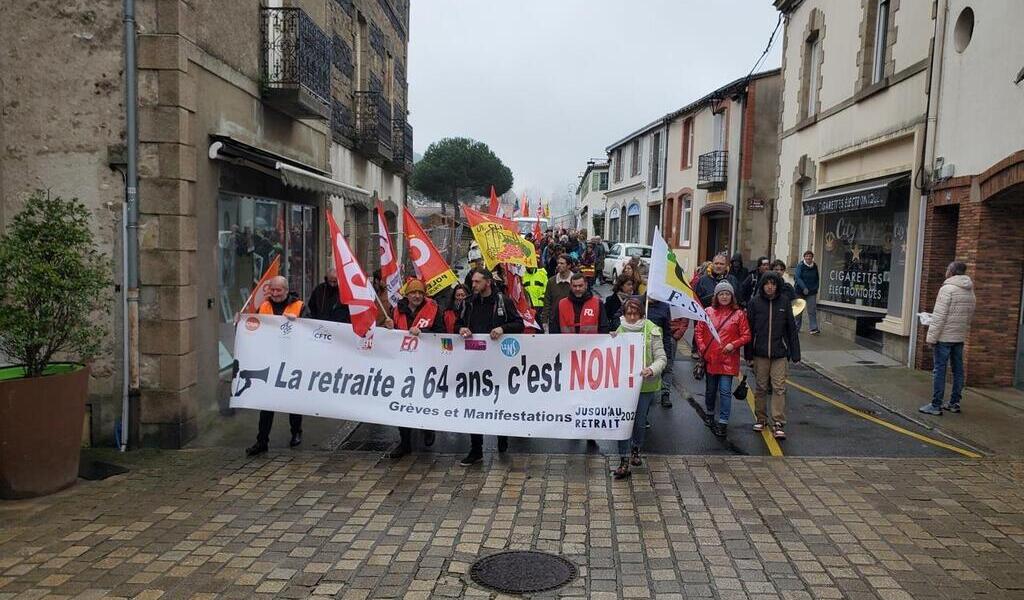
(549, 386)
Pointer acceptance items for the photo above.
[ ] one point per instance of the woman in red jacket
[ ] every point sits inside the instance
(722, 356)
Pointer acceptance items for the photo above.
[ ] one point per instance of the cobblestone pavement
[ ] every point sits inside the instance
(207, 523)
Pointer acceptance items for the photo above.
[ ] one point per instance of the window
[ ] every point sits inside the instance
(881, 41)
(633, 223)
(718, 129)
(613, 228)
(685, 220)
(616, 250)
(638, 251)
(656, 161)
(963, 31)
(634, 167)
(604, 180)
(594, 181)
(813, 73)
(617, 159)
(687, 155)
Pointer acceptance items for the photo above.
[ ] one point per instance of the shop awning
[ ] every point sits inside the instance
(857, 196)
(291, 173)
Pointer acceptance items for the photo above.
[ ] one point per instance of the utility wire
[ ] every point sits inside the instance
(767, 49)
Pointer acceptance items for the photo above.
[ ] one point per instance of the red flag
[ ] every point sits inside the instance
(493, 208)
(526, 206)
(259, 293)
(537, 233)
(389, 270)
(514, 290)
(430, 266)
(354, 289)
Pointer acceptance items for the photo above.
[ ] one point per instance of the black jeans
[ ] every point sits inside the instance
(267, 421)
(476, 442)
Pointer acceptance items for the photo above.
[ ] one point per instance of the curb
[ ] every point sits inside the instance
(820, 370)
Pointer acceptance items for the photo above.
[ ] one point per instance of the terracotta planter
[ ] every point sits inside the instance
(41, 431)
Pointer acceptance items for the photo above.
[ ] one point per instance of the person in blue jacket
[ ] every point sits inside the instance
(806, 283)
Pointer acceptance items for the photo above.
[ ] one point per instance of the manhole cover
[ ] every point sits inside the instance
(522, 571)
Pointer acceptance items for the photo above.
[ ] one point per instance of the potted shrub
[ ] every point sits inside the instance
(53, 284)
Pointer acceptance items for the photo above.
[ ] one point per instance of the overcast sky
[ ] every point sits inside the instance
(548, 84)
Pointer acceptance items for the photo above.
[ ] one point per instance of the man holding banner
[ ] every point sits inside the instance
(415, 313)
(279, 301)
(490, 312)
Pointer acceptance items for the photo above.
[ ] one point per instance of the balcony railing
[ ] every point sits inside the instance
(401, 147)
(295, 63)
(373, 125)
(712, 169)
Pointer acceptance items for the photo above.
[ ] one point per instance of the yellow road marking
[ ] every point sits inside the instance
(886, 424)
(769, 440)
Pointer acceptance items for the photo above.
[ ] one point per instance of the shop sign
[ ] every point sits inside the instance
(755, 204)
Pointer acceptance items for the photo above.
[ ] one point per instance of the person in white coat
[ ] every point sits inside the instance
(951, 320)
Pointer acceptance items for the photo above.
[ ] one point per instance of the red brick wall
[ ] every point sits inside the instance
(940, 236)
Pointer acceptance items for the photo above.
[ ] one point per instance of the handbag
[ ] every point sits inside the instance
(740, 393)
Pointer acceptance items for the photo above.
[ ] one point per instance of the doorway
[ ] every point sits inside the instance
(715, 230)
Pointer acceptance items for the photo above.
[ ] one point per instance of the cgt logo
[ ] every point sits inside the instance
(286, 328)
(322, 334)
(252, 323)
(510, 347)
(410, 343)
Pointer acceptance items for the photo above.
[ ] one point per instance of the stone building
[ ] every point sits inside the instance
(722, 157)
(854, 107)
(255, 118)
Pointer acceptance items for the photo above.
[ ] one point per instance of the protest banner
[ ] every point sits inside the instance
(551, 386)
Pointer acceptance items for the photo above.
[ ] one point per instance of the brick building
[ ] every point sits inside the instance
(255, 118)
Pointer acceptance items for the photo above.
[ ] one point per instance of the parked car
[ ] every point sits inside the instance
(619, 255)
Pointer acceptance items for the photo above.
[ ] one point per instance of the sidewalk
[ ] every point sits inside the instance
(992, 419)
(209, 523)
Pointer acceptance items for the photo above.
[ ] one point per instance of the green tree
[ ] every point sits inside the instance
(53, 283)
(457, 169)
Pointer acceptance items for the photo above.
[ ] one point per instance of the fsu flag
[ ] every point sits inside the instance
(666, 281)
(389, 270)
(259, 293)
(499, 240)
(429, 265)
(354, 289)
(493, 208)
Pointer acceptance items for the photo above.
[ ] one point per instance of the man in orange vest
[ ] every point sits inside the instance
(580, 312)
(279, 302)
(415, 313)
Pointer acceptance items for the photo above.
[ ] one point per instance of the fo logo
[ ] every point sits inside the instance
(510, 347)
(588, 312)
(322, 334)
(286, 328)
(409, 343)
(252, 323)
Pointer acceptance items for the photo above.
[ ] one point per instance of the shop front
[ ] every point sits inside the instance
(860, 234)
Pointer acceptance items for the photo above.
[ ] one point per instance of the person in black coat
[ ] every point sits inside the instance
(325, 303)
(490, 312)
(774, 342)
(750, 284)
(719, 272)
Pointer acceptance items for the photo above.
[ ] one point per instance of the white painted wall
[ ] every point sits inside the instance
(981, 110)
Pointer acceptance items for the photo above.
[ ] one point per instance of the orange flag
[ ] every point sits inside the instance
(493, 208)
(526, 206)
(429, 264)
(259, 293)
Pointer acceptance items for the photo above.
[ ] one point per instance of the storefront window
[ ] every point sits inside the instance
(252, 232)
(864, 255)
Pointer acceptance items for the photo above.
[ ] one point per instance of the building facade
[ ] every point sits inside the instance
(722, 157)
(975, 211)
(636, 185)
(591, 203)
(254, 120)
(854, 108)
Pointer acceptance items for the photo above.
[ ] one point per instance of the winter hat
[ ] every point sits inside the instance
(634, 302)
(724, 286)
(415, 285)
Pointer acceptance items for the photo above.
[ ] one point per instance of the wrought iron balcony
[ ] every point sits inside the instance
(401, 147)
(712, 169)
(373, 125)
(295, 63)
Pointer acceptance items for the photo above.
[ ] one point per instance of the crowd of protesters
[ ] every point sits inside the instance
(751, 310)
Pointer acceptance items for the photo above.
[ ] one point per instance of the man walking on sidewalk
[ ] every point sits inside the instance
(775, 340)
(951, 319)
(807, 281)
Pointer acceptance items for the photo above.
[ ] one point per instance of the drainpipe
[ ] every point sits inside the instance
(927, 154)
(734, 245)
(130, 243)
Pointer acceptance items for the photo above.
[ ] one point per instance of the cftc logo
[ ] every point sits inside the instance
(322, 334)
